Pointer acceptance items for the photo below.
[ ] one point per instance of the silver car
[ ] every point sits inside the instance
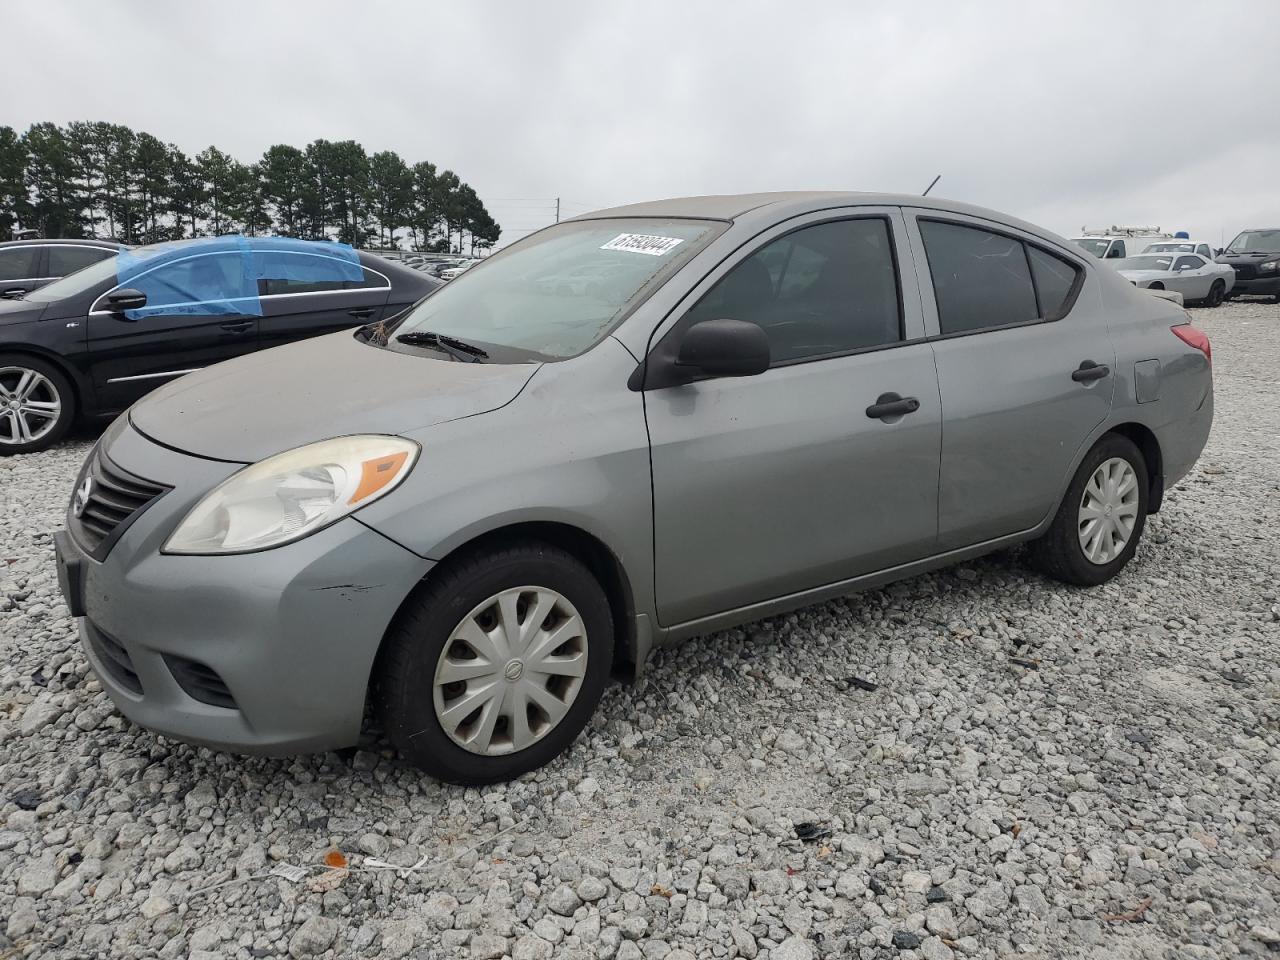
(465, 520)
(1197, 278)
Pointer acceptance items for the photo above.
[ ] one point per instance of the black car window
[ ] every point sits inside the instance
(65, 259)
(19, 263)
(1117, 251)
(284, 273)
(199, 279)
(826, 289)
(1055, 279)
(1204, 251)
(980, 279)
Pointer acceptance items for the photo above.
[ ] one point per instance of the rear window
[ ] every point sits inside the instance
(68, 259)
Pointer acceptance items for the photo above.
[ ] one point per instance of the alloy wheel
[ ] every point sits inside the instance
(510, 671)
(1108, 510)
(29, 405)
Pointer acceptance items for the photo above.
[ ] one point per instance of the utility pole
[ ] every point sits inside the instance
(557, 209)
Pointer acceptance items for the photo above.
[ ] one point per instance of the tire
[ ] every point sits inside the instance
(1059, 553)
(410, 702)
(37, 404)
(1217, 293)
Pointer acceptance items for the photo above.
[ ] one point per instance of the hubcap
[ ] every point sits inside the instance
(1108, 510)
(510, 671)
(29, 405)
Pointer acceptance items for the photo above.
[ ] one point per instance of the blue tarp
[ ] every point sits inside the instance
(218, 276)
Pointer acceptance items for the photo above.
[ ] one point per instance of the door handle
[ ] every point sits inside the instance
(237, 326)
(891, 405)
(364, 313)
(1089, 371)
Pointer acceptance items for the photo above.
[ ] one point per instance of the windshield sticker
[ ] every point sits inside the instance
(642, 243)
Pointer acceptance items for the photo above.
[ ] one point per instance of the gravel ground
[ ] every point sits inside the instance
(1039, 771)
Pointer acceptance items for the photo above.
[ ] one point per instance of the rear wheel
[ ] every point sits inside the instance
(37, 405)
(1100, 521)
(1217, 293)
(496, 665)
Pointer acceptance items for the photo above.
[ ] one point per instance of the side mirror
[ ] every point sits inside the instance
(11, 292)
(126, 298)
(725, 348)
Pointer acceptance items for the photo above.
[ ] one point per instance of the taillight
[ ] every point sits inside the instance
(1194, 338)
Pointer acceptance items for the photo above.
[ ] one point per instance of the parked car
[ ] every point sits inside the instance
(1201, 247)
(26, 265)
(1117, 243)
(1197, 278)
(450, 273)
(466, 519)
(90, 344)
(1254, 255)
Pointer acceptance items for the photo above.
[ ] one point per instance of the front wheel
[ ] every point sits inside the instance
(37, 405)
(1100, 521)
(495, 666)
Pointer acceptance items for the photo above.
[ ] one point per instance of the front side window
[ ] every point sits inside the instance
(65, 259)
(831, 288)
(557, 293)
(1117, 251)
(19, 263)
(1204, 251)
(204, 279)
(1188, 263)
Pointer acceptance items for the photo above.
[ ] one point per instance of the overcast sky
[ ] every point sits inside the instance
(1089, 113)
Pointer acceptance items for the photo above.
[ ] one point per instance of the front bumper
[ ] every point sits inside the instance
(268, 652)
(1257, 286)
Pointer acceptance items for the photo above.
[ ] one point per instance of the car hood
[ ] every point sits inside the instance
(1254, 258)
(1144, 275)
(20, 311)
(265, 403)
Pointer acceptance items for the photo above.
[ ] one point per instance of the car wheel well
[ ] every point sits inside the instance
(54, 361)
(1155, 285)
(586, 548)
(1147, 443)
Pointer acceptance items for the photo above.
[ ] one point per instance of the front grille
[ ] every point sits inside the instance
(114, 658)
(200, 682)
(115, 499)
(1245, 271)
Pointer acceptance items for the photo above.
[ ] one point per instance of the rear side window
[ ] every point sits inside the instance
(19, 263)
(68, 259)
(823, 290)
(1055, 281)
(984, 280)
(284, 273)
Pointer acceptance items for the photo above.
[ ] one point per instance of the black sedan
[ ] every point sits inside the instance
(28, 264)
(90, 344)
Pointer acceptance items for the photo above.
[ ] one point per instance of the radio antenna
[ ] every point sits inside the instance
(930, 186)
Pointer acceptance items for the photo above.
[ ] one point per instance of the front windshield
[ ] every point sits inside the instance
(1171, 248)
(1256, 241)
(1146, 263)
(74, 284)
(1095, 247)
(559, 292)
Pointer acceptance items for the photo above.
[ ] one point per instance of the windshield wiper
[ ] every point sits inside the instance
(458, 349)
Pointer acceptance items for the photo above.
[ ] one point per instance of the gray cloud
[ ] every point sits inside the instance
(1088, 112)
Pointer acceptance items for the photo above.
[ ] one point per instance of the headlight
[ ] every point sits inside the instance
(1269, 265)
(293, 494)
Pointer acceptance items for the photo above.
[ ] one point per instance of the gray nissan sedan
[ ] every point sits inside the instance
(629, 428)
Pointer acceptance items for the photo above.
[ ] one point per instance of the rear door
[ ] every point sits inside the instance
(307, 295)
(1024, 369)
(65, 258)
(769, 485)
(201, 309)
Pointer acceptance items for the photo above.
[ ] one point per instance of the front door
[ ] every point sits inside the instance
(1190, 277)
(200, 310)
(769, 485)
(1025, 370)
(309, 294)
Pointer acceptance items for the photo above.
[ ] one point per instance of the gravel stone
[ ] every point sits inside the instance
(987, 809)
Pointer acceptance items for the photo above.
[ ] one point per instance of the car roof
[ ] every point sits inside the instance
(64, 241)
